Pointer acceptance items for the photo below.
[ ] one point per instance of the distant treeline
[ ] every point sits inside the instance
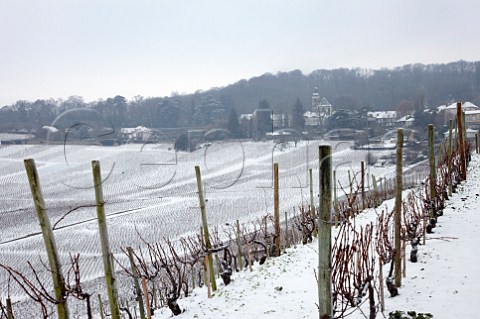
(350, 89)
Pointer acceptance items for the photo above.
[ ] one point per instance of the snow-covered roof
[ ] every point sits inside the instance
(142, 129)
(130, 130)
(246, 116)
(451, 106)
(406, 118)
(465, 106)
(382, 114)
(441, 107)
(51, 129)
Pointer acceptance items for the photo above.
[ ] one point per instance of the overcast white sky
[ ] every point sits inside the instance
(98, 49)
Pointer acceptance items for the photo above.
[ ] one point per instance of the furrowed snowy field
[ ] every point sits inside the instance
(444, 282)
(150, 189)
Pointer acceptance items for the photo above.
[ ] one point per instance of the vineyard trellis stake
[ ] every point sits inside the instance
(9, 308)
(449, 165)
(103, 232)
(147, 301)
(239, 247)
(100, 305)
(433, 175)
(205, 227)
(363, 184)
(312, 202)
(398, 210)
(325, 234)
(276, 209)
(48, 238)
(463, 168)
(138, 291)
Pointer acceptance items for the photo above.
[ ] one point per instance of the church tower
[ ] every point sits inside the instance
(315, 100)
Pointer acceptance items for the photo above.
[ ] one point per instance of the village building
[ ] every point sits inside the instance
(136, 134)
(405, 121)
(382, 118)
(472, 119)
(321, 110)
(450, 112)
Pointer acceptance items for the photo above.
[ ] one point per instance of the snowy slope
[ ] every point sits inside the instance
(443, 282)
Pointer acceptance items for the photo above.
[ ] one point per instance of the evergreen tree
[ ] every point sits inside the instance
(233, 125)
(182, 143)
(340, 119)
(298, 121)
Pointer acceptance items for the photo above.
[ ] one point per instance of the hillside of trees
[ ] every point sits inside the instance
(349, 89)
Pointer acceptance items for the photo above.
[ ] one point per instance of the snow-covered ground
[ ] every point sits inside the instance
(151, 185)
(151, 189)
(444, 281)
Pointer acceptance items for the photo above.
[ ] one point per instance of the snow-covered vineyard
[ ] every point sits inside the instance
(443, 282)
(151, 196)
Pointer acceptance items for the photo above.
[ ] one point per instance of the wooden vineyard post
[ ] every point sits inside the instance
(476, 143)
(433, 175)
(100, 306)
(325, 234)
(456, 144)
(147, 300)
(463, 167)
(398, 210)
(9, 309)
(138, 291)
(375, 191)
(48, 238)
(205, 227)
(465, 137)
(335, 199)
(239, 248)
(380, 279)
(207, 277)
(287, 244)
(276, 211)
(267, 246)
(449, 164)
(465, 141)
(106, 254)
(424, 231)
(363, 184)
(350, 193)
(312, 203)
(404, 259)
